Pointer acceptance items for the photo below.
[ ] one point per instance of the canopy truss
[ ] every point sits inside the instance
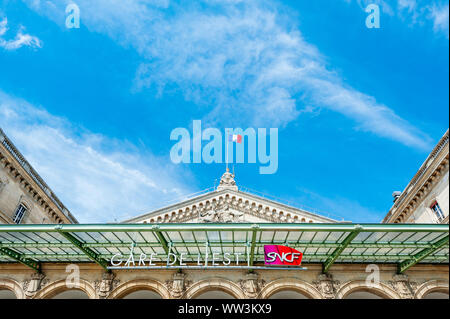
(402, 244)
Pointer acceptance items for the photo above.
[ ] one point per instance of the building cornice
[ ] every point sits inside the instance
(252, 204)
(19, 168)
(429, 174)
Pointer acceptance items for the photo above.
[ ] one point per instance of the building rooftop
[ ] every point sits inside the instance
(436, 153)
(11, 148)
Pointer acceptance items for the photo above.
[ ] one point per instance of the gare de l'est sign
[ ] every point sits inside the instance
(274, 255)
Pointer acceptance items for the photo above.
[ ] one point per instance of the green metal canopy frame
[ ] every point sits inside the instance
(402, 244)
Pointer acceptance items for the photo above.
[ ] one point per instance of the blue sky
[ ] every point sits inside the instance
(358, 110)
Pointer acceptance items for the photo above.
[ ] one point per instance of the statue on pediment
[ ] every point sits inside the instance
(227, 181)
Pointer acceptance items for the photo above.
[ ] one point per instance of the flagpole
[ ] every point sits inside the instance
(226, 150)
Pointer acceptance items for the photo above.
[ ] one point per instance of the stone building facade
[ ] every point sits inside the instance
(24, 197)
(225, 205)
(345, 281)
(426, 198)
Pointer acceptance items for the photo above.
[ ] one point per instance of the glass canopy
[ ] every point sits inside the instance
(401, 244)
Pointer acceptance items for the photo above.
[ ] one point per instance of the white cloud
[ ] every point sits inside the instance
(415, 12)
(246, 61)
(21, 39)
(97, 178)
(439, 15)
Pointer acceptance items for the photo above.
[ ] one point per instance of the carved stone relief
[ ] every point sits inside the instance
(34, 284)
(327, 286)
(251, 284)
(106, 285)
(403, 286)
(178, 284)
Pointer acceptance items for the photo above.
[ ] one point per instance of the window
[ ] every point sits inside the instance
(437, 210)
(20, 212)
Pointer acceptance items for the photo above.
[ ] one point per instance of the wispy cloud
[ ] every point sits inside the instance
(415, 12)
(439, 14)
(21, 39)
(97, 178)
(245, 61)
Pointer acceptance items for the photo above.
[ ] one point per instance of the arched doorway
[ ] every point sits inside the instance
(71, 294)
(60, 290)
(362, 294)
(7, 294)
(436, 295)
(140, 289)
(433, 289)
(214, 294)
(288, 294)
(142, 294)
(289, 288)
(214, 288)
(360, 290)
(10, 289)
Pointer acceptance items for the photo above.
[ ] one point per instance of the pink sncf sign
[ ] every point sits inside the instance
(281, 256)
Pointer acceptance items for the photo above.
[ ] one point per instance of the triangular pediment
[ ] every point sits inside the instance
(228, 205)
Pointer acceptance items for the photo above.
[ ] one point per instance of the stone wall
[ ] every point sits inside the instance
(341, 281)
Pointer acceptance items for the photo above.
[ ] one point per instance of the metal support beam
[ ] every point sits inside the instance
(253, 244)
(341, 248)
(20, 258)
(405, 265)
(87, 251)
(161, 239)
(218, 244)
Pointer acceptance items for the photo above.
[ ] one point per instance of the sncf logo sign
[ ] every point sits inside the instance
(282, 255)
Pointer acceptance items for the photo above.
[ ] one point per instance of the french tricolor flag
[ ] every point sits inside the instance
(235, 138)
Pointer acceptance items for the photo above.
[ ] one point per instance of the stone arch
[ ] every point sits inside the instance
(289, 284)
(60, 286)
(214, 284)
(380, 290)
(140, 284)
(13, 286)
(431, 286)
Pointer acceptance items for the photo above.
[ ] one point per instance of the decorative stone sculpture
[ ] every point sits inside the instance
(403, 286)
(227, 182)
(33, 285)
(178, 284)
(327, 286)
(221, 215)
(252, 285)
(210, 216)
(106, 285)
